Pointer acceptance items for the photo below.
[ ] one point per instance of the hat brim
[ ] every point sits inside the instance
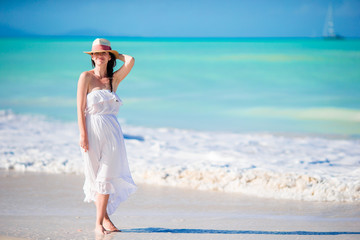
(110, 51)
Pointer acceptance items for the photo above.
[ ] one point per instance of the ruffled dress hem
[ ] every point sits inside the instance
(119, 190)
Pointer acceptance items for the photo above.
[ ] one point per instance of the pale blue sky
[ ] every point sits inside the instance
(180, 18)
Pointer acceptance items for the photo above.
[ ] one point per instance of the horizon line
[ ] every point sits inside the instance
(168, 37)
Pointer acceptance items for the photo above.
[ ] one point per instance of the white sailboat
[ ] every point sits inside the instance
(329, 31)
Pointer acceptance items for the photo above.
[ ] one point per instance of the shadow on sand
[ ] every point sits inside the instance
(213, 231)
(134, 137)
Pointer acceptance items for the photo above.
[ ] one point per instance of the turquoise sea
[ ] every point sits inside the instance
(273, 118)
(275, 85)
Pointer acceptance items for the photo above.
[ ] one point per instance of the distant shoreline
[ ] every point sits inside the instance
(159, 38)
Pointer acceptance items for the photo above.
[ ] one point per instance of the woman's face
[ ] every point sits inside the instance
(100, 58)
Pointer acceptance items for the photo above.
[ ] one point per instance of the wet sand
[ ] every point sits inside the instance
(50, 206)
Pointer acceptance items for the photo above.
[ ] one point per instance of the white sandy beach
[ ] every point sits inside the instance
(50, 206)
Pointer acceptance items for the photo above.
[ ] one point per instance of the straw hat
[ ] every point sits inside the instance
(102, 45)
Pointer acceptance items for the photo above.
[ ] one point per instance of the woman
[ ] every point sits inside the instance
(107, 176)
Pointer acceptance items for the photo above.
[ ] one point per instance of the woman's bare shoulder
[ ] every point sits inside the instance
(86, 77)
(85, 80)
(87, 74)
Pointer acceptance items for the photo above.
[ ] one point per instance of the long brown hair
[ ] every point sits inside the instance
(109, 68)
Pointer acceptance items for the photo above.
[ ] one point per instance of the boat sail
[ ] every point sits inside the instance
(329, 31)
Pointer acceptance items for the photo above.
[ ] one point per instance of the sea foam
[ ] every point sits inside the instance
(263, 165)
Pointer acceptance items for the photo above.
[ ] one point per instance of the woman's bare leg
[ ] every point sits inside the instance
(101, 204)
(108, 225)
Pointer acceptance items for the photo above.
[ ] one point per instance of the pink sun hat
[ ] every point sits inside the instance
(102, 45)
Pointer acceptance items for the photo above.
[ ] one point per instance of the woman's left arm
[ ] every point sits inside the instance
(120, 74)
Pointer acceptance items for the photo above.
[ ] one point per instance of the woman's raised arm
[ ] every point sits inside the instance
(120, 74)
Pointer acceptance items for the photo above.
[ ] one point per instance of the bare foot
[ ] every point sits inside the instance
(110, 226)
(99, 229)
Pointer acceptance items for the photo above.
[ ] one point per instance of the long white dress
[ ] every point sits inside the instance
(106, 166)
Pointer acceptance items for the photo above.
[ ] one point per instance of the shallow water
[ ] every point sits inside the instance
(237, 85)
